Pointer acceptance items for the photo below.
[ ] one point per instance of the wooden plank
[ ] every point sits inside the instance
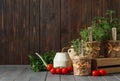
(81, 78)
(7, 26)
(107, 61)
(4, 70)
(97, 78)
(18, 33)
(25, 75)
(75, 18)
(27, 26)
(83, 13)
(39, 76)
(96, 8)
(51, 77)
(11, 74)
(110, 77)
(2, 33)
(50, 25)
(34, 29)
(25, 42)
(65, 22)
(117, 75)
(89, 13)
(112, 69)
(111, 65)
(67, 78)
(14, 66)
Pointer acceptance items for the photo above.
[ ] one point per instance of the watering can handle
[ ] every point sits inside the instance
(64, 48)
(41, 59)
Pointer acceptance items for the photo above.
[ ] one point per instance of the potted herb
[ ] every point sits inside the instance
(84, 34)
(106, 24)
(92, 37)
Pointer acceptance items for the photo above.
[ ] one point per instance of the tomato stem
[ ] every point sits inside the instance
(41, 59)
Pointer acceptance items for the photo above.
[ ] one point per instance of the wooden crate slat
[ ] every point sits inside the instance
(108, 61)
(112, 69)
(111, 65)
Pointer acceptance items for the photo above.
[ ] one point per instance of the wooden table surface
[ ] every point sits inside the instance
(24, 73)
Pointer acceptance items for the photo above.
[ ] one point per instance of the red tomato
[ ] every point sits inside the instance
(70, 69)
(102, 72)
(53, 71)
(49, 67)
(64, 70)
(95, 73)
(58, 70)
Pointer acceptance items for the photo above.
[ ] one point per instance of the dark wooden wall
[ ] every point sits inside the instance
(28, 26)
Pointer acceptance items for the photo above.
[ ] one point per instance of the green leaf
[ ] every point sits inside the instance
(36, 63)
(84, 34)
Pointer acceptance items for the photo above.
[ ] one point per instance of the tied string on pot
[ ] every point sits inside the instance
(86, 64)
(111, 48)
(92, 50)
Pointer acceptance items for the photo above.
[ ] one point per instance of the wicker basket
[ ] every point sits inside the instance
(93, 49)
(81, 65)
(113, 49)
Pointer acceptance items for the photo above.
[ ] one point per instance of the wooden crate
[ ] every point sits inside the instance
(111, 65)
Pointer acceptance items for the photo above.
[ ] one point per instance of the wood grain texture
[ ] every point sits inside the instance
(65, 22)
(29, 26)
(76, 15)
(2, 32)
(51, 76)
(107, 61)
(26, 27)
(49, 25)
(34, 26)
(67, 78)
(23, 73)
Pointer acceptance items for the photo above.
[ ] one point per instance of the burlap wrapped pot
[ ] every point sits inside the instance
(93, 49)
(112, 49)
(81, 65)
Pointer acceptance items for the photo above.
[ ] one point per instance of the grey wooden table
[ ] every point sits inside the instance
(24, 73)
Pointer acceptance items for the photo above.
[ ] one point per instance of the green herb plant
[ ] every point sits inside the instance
(97, 34)
(37, 65)
(75, 43)
(84, 35)
(114, 22)
(105, 24)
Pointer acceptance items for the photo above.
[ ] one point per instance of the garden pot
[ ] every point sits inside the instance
(112, 49)
(81, 65)
(93, 49)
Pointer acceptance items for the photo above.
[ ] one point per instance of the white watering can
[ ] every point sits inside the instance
(62, 59)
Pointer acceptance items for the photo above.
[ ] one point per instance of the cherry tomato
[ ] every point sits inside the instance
(95, 73)
(64, 70)
(49, 67)
(102, 72)
(53, 71)
(70, 69)
(58, 70)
